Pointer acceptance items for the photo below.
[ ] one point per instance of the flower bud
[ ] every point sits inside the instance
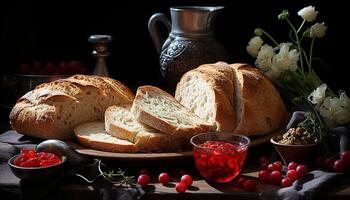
(258, 32)
(284, 15)
(318, 30)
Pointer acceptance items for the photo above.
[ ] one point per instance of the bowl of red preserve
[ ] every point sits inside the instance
(33, 165)
(219, 157)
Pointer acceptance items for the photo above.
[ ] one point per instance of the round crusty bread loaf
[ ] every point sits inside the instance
(235, 97)
(53, 109)
(208, 92)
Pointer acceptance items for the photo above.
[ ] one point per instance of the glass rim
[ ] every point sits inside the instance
(230, 134)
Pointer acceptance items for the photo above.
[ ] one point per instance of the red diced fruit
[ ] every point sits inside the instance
(143, 180)
(302, 170)
(276, 177)
(292, 174)
(164, 178)
(345, 157)
(264, 175)
(187, 179)
(249, 185)
(286, 182)
(30, 158)
(181, 187)
(292, 165)
(338, 166)
(240, 181)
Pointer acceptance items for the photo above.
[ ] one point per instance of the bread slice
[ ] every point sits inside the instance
(258, 104)
(93, 135)
(120, 123)
(208, 92)
(158, 109)
(53, 109)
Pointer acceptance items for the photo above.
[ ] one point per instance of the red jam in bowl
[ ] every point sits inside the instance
(219, 161)
(30, 158)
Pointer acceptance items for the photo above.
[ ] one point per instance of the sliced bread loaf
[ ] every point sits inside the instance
(121, 123)
(158, 109)
(93, 135)
(208, 92)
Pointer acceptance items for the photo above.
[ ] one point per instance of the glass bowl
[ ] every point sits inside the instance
(219, 157)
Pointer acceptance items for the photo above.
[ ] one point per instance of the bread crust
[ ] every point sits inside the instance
(37, 113)
(219, 78)
(262, 107)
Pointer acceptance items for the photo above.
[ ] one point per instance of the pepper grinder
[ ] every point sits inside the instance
(100, 43)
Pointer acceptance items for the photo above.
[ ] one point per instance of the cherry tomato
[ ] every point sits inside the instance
(338, 166)
(278, 165)
(292, 165)
(164, 178)
(345, 157)
(302, 170)
(143, 180)
(292, 174)
(264, 175)
(181, 187)
(187, 179)
(286, 182)
(240, 181)
(276, 177)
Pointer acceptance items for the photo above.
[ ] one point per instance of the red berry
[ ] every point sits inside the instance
(338, 166)
(329, 163)
(264, 165)
(292, 174)
(143, 180)
(345, 157)
(302, 170)
(292, 165)
(187, 179)
(264, 175)
(271, 167)
(144, 172)
(164, 178)
(249, 185)
(276, 177)
(181, 187)
(241, 181)
(278, 165)
(286, 182)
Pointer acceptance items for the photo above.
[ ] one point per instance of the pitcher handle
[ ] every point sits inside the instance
(157, 38)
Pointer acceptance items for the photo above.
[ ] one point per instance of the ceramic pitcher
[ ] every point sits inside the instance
(190, 41)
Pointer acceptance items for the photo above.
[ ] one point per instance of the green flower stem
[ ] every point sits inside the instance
(301, 26)
(307, 61)
(298, 44)
(311, 50)
(269, 36)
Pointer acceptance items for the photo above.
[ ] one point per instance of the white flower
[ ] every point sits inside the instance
(264, 58)
(317, 96)
(335, 110)
(286, 59)
(254, 46)
(308, 13)
(318, 30)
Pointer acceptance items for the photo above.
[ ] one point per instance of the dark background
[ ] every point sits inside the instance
(58, 30)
